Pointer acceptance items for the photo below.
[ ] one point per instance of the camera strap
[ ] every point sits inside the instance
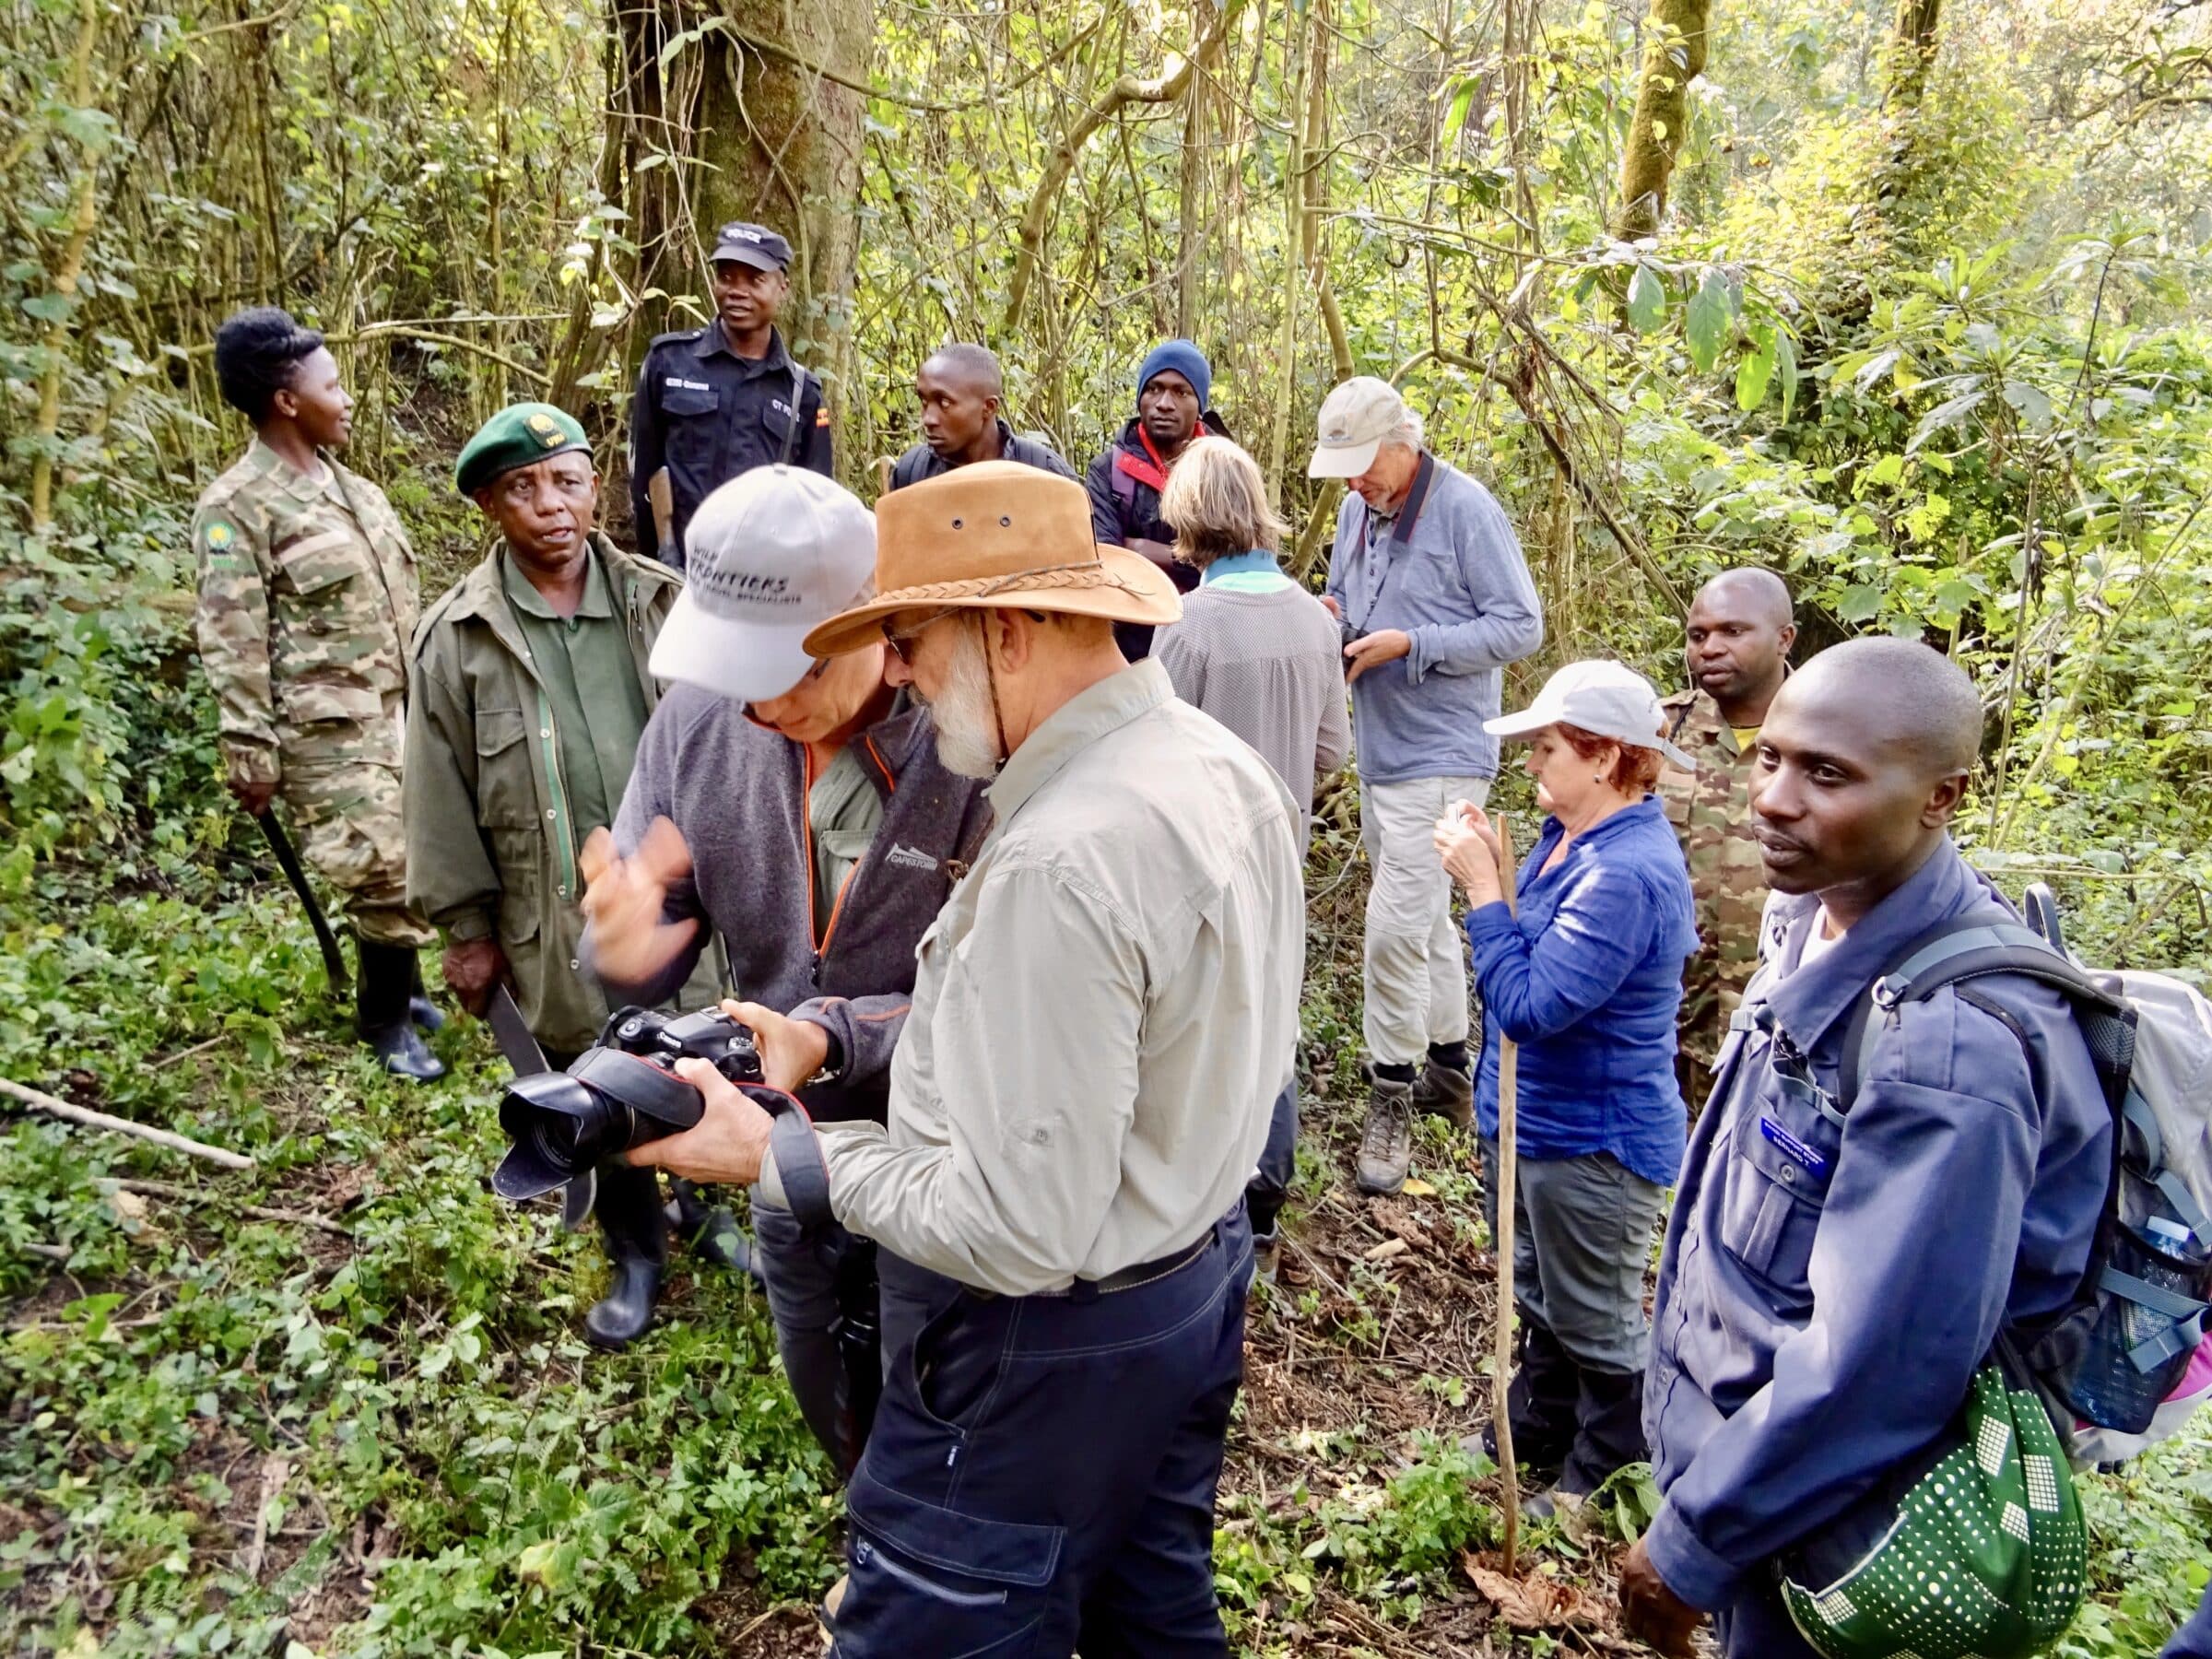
(798, 1154)
(640, 1084)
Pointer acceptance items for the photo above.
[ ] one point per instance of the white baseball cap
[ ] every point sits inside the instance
(1354, 420)
(1605, 699)
(767, 556)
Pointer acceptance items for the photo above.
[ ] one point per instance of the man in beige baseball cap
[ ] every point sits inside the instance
(1103, 1017)
(1429, 586)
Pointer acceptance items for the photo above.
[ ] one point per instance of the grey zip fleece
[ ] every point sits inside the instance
(738, 793)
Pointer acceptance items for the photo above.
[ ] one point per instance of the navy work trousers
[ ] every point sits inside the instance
(1042, 1472)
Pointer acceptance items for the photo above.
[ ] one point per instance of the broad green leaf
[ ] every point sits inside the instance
(1785, 366)
(1754, 373)
(1705, 326)
(1647, 300)
(1862, 603)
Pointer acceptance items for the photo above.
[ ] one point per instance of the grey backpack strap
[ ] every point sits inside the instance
(798, 397)
(1968, 948)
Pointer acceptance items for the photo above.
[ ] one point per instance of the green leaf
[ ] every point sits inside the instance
(1862, 602)
(1888, 470)
(1711, 309)
(1785, 365)
(1455, 114)
(49, 308)
(1647, 300)
(1753, 374)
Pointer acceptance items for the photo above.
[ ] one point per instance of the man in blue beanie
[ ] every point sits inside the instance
(1174, 399)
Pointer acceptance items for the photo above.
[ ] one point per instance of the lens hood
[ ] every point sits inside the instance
(526, 1172)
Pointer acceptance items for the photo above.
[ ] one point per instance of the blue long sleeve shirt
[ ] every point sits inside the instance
(1587, 979)
(1829, 1285)
(1448, 572)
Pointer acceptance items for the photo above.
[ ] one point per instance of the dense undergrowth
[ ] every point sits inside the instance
(339, 1405)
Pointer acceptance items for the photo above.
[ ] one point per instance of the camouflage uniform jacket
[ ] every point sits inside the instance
(307, 600)
(1712, 812)
(491, 850)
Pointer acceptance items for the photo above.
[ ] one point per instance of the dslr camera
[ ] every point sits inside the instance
(621, 1092)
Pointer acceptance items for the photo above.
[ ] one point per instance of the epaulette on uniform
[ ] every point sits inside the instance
(685, 336)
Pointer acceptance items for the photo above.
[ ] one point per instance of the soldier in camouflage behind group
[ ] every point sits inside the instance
(1737, 647)
(307, 600)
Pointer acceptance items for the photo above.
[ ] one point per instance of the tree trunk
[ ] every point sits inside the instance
(747, 110)
(1911, 50)
(1674, 56)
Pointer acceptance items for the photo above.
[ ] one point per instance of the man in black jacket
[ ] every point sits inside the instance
(962, 390)
(717, 401)
(1175, 403)
(798, 808)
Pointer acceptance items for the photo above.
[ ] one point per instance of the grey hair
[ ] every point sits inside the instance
(1406, 434)
(1217, 503)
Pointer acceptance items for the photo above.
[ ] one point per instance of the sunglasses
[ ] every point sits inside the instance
(902, 641)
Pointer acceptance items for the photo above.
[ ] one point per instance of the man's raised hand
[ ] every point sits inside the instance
(623, 900)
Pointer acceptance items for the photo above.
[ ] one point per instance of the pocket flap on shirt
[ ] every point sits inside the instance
(307, 703)
(318, 561)
(1004, 1552)
(497, 730)
(688, 400)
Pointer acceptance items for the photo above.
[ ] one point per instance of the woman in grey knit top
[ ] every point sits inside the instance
(1260, 655)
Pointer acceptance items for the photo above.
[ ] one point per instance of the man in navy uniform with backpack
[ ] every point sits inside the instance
(1841, 1258)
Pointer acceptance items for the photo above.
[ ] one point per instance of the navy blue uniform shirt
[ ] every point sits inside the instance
(1587, 979)
(1829, 1287)
(707, 415)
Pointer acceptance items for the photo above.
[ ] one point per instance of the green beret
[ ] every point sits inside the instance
(517, 436)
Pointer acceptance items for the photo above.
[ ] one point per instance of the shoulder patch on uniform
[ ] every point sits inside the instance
(217, 534)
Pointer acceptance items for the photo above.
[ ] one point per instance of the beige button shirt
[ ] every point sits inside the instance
(1102, 1011)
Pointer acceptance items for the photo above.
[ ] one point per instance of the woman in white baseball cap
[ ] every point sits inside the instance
(1586, 977)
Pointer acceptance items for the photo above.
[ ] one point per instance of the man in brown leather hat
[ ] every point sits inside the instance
(1101, 1018)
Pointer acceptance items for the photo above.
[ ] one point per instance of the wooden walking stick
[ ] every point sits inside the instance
(1509, 1070)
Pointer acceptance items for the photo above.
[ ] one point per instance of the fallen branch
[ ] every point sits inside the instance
(39, 1100)
(184, 1195)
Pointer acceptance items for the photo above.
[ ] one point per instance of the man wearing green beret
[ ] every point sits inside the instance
(527, 691)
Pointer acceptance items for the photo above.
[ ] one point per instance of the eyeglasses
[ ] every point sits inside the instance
(902, 642)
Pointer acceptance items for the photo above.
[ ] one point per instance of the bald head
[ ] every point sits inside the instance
(1906, 696)
(973, 368)
(1751, 591)
(960, 389)
(1738, 642)
(1862, 763)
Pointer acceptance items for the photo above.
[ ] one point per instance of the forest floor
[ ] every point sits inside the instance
(337, 1404)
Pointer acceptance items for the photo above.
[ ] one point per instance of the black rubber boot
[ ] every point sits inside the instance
(386, 983)
(711, 1232)
(637, 1243)
(1540, 1402)
(1609, 1435)
(425, 1013)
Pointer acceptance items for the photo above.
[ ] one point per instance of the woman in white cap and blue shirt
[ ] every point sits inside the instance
(1586, 977)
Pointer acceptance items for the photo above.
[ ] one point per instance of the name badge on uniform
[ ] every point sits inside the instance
(681, 384)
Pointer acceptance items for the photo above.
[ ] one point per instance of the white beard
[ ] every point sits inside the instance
(967, 723)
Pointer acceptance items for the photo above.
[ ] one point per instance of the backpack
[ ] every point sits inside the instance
(2121, 1365)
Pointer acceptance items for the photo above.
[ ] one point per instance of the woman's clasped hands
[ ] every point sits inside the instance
(1468, 844)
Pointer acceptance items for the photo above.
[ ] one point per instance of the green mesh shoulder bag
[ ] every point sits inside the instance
(1986, 1559)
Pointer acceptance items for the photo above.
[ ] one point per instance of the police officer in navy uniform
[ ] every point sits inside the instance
(718, 401)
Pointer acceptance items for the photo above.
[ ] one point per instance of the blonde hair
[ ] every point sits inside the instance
(1216, 503)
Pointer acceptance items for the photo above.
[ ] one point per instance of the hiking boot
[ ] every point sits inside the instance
(1447, 1092)
(1386, 1142)
(1267, 1255)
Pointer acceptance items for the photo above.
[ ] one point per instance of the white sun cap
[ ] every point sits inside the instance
(767, 556)
(1605, 699)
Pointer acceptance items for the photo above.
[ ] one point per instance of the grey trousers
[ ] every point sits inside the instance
(1581, 1239)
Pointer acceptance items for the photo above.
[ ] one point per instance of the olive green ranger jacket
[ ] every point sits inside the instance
(491, 850)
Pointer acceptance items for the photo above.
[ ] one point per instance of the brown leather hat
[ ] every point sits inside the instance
(997, 533)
